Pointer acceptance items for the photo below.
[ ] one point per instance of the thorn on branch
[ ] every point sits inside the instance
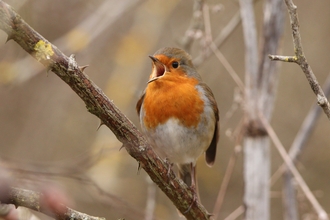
(122, 146)
(9, 37)
(82, 68)
(101, 123)
(139, 168)
(210, 215)
(48, 69)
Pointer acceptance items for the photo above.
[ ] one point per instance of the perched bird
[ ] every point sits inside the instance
(178, 113)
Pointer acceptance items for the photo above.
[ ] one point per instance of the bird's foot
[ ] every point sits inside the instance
(169, 166)
(195, 198)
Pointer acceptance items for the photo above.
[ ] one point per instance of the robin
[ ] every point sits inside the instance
(179, 114)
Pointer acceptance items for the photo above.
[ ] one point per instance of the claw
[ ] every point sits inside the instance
(9, 37)
(101, 123)
(139, 168)
(193, 187)
(195, 198)
(123, 146)
(170, 165)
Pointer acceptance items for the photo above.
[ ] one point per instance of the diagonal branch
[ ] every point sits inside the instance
(296, 149)
(220, 39)
(99, 104)
(322, 215)
(301, 60)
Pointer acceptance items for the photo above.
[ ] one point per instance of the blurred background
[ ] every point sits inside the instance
(47, 137)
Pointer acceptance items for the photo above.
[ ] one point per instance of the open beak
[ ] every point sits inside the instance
(158, 69)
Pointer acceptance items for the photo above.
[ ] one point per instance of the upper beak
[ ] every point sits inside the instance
(158, 69)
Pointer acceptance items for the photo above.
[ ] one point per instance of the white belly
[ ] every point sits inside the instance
(179, 144)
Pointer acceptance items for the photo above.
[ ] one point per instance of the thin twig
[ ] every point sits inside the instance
(301, 60)
(308, 125)
(289, 163)
(207, 25)
(236, 213)
(289, 59)
(216, 51)
(151, 200)
(228, 67)
(220, 39)
(225, 182)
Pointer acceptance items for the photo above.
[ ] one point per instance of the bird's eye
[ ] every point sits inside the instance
(175, 64)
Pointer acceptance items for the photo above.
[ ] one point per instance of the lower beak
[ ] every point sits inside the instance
(152, 79)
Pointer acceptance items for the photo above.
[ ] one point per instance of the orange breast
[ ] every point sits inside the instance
(172, 96)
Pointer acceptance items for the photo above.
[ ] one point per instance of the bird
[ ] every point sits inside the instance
(178, 113)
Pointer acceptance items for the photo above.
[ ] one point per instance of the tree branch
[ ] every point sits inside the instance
(301, 60)
(98, 104)
(32, 200)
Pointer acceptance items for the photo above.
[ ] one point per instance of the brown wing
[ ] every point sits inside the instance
(212, 149)
(139, 103)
